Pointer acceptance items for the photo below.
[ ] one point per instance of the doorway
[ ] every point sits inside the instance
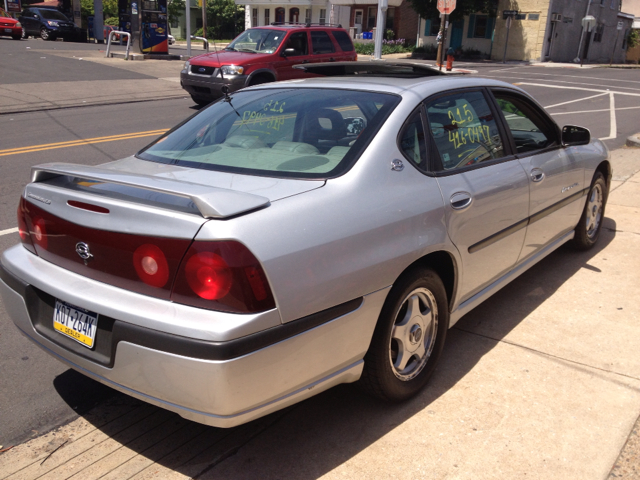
(294, 15)
(457, 29)
(279, 15)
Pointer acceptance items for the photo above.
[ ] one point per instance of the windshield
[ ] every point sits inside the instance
(4, 14)
(302, 132)
(258, 40)
(53, 15)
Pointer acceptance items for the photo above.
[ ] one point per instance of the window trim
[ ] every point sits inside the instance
(434, 159)
(537, 111)
(423, 118)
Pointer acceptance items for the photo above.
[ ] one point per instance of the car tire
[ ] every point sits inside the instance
(259, 80)
(588, 229)
(408, 338)
(200, 100)
(46, 35)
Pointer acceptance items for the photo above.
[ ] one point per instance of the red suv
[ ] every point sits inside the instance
(264, 54)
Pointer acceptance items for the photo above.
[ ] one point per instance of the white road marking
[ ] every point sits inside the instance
(578, 100)
(613, 131)
(587, 78)
(557, 81)
(8, 231)
(580, 88)
(593, 111)
(503, 69)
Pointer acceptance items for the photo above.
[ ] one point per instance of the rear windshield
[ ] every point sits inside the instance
(256, 40)
(53, 15)
(301, 133)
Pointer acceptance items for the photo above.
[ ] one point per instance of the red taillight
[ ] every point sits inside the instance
(23, 229)
(222, 276)
(208, 275)
(39, 232)
(151, 265)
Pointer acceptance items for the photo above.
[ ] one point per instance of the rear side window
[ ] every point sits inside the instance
(343, 40)
(321, 43)
(412, 141)
(464, 129)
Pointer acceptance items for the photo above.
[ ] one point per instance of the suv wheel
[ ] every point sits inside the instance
(46, 35)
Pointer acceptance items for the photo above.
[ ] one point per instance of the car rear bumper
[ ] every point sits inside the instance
(199, 382)
(210, 86)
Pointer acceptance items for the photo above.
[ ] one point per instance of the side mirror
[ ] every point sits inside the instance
(572, 135)
(288, 52)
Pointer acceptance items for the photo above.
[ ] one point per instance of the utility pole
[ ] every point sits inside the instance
(204, 18)
(578, 58)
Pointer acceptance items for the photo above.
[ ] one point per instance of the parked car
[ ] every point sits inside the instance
(9, 26)
(171, 39)
(48, 23)
(108, 29)
(264, 54)
(297, 235)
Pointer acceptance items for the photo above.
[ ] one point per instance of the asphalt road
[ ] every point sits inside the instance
(36, 392)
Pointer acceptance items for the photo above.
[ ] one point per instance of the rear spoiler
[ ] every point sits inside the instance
(212, 202)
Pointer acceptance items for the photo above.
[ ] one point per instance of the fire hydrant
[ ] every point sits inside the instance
(450, 59)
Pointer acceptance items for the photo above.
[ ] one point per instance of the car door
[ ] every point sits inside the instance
(484, 187)
(556, 174)
(299, 42)
(322, 47)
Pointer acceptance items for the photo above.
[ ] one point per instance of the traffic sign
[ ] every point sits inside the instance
(445, 7)
(509, 13)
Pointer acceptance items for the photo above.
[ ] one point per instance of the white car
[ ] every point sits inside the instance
(171, 39)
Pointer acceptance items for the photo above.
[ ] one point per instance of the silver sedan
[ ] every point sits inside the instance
(298, 235)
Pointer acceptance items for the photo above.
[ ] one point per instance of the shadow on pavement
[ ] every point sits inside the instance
(319, 434)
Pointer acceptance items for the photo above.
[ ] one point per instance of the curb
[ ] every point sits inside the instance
(633, 141)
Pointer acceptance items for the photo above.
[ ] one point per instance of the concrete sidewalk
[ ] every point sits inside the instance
(542, 381)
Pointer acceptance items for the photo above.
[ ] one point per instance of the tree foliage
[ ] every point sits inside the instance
(109, 9)
(175, 9)
(225, 18)
(429, 8)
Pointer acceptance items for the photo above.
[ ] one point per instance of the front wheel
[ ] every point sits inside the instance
(408, 338)
(590, 224)
(200, 100)
(46, 35)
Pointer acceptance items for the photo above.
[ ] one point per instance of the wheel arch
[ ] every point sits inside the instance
(445, 265)
(261, 73)
(605, 168)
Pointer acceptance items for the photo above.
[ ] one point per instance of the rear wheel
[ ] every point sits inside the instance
(590, 224)
(200, 100)
(408, 338)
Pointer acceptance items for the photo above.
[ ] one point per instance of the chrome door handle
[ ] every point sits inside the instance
(537, 175)
(460, 200)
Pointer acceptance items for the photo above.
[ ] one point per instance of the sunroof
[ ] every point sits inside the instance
(376, 69)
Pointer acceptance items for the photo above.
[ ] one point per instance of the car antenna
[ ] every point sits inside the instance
(215, 48)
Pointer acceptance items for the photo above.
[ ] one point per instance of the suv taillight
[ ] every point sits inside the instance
(23, 229)
(222, 275)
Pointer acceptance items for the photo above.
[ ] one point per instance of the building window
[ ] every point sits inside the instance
(323, 16)
(307, 15)
(534, 16)
(254, 17)
(480, 28)
(358, 18)
(267, 21)
(624, 39)
(435, 27)
(391, 15)
(597, 37)
(371, 18)
(279, 15)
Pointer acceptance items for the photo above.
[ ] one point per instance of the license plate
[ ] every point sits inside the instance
(76, 323)
(8, 30)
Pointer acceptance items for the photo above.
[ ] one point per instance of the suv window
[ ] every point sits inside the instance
(53, 15)
(298, 41)
(529, 128)
(464, 129)
(321, 43)
(343, 40)
(305, 133)
(261, 40)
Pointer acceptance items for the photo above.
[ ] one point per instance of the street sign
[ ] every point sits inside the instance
(588, 22)
(13, 6)
(509, 13)
(620, 25)
(445, 7)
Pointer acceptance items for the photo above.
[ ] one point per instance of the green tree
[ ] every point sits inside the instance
(109, 9)
(429, 8)
(224, 18)
(175, 9)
